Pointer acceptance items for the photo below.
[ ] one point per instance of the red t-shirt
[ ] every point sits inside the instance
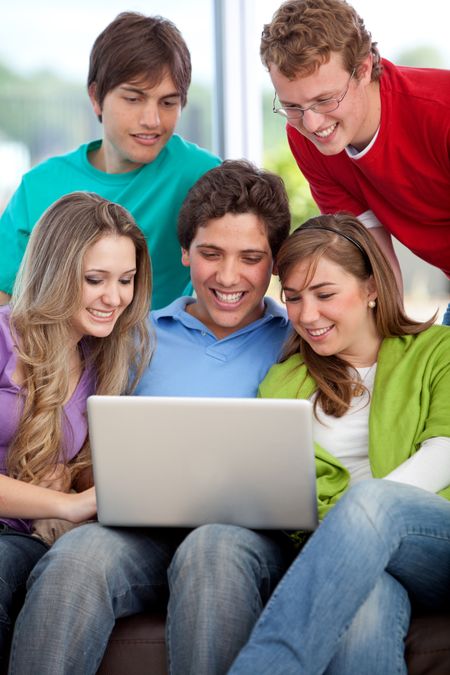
(404, 178)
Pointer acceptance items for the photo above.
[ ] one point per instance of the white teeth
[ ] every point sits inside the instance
(147, 137)
(229, 297)
(324, 133)
(319, 331)
(100, 314)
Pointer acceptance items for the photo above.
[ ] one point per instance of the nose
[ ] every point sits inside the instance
(312, 121)
(308, 311)
(112, 295)
(227, 273)
(150, 115)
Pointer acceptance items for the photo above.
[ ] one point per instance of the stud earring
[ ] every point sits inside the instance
(372, 304)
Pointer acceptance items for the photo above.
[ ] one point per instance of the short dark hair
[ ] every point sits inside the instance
(135, 47)
(236, 186)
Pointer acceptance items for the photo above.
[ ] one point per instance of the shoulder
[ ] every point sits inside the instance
(179, 149)
(53, 165)
(169, 311)
(431, 346)
(6, 340)
(284, 379)
(431, 86)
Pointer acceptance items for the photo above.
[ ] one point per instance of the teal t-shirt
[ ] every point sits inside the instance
(153, 194)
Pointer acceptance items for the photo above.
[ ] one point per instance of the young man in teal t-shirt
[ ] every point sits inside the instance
(139, 75)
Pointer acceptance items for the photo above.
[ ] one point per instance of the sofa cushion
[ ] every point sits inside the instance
(137, 646)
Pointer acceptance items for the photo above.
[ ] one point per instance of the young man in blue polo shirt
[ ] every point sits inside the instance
(219, 344)
(139, 75)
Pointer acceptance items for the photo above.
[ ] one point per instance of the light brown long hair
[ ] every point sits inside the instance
(47, 293)
(360, 256)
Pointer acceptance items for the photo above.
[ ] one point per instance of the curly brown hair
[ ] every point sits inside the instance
(303, 34)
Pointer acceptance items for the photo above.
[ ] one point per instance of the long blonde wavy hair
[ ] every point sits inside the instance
(47, 293)
(343, 240)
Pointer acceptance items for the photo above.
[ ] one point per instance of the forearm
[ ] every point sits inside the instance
(384, 240)
(23, 500)
(428, 468)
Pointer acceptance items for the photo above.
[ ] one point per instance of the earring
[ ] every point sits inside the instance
(372, 304)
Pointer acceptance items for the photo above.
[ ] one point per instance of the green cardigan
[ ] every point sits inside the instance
(410, 403)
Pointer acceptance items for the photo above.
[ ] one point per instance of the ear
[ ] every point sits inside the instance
(372, 293)
(92, 91)
(185, 259)
(364, 72)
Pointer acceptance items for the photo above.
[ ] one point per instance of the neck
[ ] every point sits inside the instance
(372, 121)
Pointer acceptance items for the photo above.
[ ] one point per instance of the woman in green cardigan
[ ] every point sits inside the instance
(380, 387)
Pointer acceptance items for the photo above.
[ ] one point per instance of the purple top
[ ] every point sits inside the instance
(74, 423)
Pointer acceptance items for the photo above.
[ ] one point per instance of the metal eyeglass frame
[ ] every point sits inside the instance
(321, 107)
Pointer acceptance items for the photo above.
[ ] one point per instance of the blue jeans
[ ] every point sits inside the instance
(343, 606)
(90, 576)
(94, 575)
(446, 318)
(19, 552)
(220, 578)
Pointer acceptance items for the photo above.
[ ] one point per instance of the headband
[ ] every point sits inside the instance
(341, 234)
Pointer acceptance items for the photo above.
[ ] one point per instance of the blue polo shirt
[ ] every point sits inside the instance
(190, 361)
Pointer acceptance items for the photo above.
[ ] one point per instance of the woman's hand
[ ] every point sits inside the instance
(79, 506)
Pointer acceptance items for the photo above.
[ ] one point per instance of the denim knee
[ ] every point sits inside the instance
(88, 558)
(214, 546)
(374, 497)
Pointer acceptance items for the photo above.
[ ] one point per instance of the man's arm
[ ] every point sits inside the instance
(384, 241)
(4, 298)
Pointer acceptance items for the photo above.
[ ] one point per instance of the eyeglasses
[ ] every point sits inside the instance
(295, 112)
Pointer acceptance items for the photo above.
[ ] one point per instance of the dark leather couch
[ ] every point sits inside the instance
(137, 646)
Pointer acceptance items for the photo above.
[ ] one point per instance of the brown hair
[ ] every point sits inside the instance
(358, 254)
(135, 47)
(47, 293)
(303, 33)
(236, 186)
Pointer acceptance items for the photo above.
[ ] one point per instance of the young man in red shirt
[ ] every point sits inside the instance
(371, 138)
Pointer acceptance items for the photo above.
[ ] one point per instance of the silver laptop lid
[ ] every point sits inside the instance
(163, 461)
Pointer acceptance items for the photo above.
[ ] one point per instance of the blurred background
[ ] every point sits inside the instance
(44, 108)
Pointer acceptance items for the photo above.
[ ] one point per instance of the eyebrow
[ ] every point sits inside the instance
(244, 250)
(143, 92)
(310, 288)
(94, 269)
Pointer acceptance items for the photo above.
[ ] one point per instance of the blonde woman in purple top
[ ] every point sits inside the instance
(75, 325)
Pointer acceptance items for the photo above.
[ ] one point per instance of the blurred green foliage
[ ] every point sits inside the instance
(278, 158)
(280, 161)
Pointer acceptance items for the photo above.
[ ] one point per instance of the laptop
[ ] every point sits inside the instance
(184, 462)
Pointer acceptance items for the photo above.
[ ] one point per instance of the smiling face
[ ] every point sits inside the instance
(354, 122)
(109, 267)
(138, 120)
(331, 311)
(231, 265)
